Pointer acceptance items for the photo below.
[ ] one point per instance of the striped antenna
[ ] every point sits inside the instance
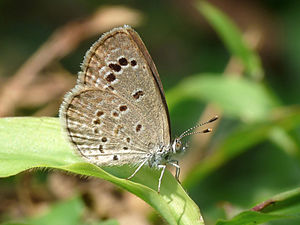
(187, 132)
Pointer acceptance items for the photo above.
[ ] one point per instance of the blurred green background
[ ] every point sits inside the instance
(253, 152)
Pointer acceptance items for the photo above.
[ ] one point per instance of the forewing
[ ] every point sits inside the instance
(120, 63)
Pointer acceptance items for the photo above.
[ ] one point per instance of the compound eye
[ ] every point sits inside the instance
(178, 145)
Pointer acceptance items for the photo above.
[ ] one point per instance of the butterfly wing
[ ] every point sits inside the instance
(106, 129)
(119, 81)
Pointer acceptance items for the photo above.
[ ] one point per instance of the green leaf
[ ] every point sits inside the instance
(238, 97)
(282, 206)
(38, 142)
(250, 218)
(15, 223)
(240, 140)
(287, 203)
(285, 141)
(232, 38)
(63, 213)
(108, 222)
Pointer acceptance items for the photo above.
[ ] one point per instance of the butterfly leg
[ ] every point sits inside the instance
(137, 170)
(163, 167)
(176, 165)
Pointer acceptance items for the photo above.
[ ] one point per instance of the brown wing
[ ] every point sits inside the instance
(119, 96)
(120, 62)
(107, 129)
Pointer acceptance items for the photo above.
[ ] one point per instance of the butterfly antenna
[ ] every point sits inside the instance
(197, 132)
(187, 132)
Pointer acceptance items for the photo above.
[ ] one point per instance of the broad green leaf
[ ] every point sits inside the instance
(282, 206)
(237, 97)
(38, 142)
(232, 38)
(240, 140)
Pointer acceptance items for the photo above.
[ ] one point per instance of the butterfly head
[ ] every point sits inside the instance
(176, 146)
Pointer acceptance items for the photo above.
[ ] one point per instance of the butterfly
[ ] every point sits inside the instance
(117, 113)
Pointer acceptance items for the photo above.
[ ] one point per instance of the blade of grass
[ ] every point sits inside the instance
(232, 38)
